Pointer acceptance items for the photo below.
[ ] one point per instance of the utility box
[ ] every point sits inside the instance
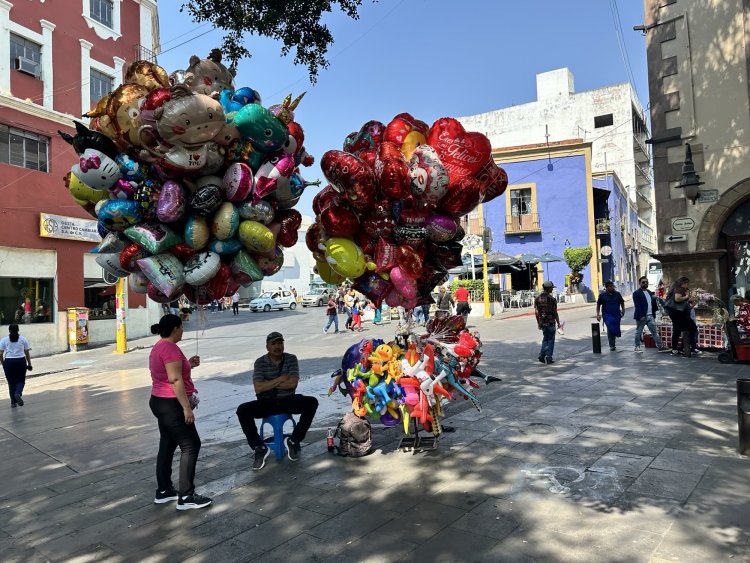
(78, 328)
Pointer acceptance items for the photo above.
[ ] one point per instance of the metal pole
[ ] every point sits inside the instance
(596, 338)
(486, 285)
(473, 267)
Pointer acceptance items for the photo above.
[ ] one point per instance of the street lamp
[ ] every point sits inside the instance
(690, 181)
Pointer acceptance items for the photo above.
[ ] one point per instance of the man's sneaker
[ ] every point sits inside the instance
(19, 399)
(161, 497)
(259, 457)
(637, 349)
(613, 348)
(541, 359)
(193, 501)
(292, 449)
(548, 360)
(676, 353)
(665, 349)
(695, 352)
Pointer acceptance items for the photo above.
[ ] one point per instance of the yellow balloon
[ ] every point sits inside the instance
(256, 237)
(82, 192)
(411, 142)
(327, 274)
(345, 257)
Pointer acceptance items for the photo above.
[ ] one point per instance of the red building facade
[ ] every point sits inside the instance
(56, 60)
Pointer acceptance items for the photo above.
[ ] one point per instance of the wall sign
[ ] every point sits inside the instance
(675, 238)
(708, 196)
(682, 224)
(606, 250)
(72, 228)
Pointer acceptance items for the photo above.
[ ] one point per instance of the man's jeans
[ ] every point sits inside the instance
(649, 322)
(548, 340)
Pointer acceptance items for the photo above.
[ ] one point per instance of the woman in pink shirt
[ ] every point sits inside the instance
(173, 398)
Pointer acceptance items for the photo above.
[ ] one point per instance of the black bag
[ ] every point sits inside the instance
(355, 436)
(671, 304)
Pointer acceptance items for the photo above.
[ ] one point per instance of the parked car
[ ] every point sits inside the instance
(280, 299)
(315, 297)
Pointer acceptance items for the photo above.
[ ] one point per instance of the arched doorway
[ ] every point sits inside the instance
(735, 236)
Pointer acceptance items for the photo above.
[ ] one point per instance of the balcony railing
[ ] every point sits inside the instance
(143, 54)
(528, 223)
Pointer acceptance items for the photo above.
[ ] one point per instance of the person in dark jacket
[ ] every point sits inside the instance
(645, 312)
(611, 306)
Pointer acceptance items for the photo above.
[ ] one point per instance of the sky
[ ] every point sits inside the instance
(430, 58)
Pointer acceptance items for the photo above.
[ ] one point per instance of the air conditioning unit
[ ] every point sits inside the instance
(27, 66)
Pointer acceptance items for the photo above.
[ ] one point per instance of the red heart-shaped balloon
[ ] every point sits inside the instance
(351, 176)
(378, 226)
(460, 152)
(401, 125)
(385, 255)
(325, 197)
(393, 177)
(410, 261)
(312, 240)
(369, 156)
(389, 149)
(290, 221)
(339, 221)
(369, 136)
(462, 197)
(492, 179)
(220, 282)
(232, 287)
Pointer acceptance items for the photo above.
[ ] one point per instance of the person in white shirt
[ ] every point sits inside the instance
(14, 355)
(236, 303)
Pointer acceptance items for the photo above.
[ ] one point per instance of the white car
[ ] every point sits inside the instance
(280, 299)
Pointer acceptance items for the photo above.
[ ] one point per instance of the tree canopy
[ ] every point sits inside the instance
(577, 257)
(296, 23)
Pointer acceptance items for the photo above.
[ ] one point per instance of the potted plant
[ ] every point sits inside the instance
(577, 258)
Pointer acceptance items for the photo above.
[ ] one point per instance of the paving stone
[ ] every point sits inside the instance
(229, 551)
(640, 445)
(280, 529)
(626, 465)
(305, 548)
(353, 523)
(661, 483)
(488, 519)
(681, 461)
(421, 522)
(66, 545)
(451, 545)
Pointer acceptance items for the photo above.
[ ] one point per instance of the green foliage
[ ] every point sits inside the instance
(577, 257)
(471, 285)
(296, 23)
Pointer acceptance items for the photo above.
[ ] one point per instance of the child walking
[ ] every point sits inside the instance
(356, 316)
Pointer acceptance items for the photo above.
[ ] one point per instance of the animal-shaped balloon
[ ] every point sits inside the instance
(85, 196)
(147, 74)
(96, 169)
(85, 138)
(234, 100)
(209, 76)
(264, 131)
(285, 110)
(280, 165)
(345, 257)
(120, 117)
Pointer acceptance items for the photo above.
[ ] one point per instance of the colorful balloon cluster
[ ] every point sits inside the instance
(192, 182)
(400, 382)
(388, 221)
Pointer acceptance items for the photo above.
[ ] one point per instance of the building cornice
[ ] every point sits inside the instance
(36, 110)
(541, 150)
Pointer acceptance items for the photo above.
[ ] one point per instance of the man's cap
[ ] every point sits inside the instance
(548, 284)
(274, 336)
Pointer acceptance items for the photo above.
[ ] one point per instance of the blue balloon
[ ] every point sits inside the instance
(225, 247)
(119, 214)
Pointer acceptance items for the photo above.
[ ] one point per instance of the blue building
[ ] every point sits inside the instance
(553, 201)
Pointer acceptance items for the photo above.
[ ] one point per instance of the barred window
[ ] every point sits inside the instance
(21, 148)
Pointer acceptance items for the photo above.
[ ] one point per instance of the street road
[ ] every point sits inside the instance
(94, 412)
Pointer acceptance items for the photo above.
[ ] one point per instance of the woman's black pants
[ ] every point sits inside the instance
(173, 432)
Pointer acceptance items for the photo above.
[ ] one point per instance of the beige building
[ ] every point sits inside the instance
(698, 64)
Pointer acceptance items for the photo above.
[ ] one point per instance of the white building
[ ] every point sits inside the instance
(611, 118)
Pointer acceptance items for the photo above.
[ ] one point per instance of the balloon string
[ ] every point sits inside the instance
(200, 326)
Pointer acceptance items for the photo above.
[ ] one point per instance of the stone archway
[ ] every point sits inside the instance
(717, 215)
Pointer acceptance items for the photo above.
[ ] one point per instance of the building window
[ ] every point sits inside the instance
(603, 120)
(99, 297)
(26, 300)
(101, 11)
(99, 85)
(25, 55)
(21, 148)
(520, 202)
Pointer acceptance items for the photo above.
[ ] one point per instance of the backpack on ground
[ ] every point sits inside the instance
(355, 436)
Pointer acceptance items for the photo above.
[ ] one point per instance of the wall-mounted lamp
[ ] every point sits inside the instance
(566, 243)
(690, 181)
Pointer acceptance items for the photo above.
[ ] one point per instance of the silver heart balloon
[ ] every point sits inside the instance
(262, 212)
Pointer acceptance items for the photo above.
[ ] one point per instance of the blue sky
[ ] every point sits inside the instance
(431, 58)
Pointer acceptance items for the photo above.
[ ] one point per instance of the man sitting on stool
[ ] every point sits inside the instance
(275, 377)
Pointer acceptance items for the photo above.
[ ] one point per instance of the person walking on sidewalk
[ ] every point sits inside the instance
(348, 304)
(14, 355)
(275, 378)
(611, 306)
(645, 312)
(356, 315)
(236, 303)
(444, 300)
(462, 302)
(173, 398)
(333, 315)
(545, 308)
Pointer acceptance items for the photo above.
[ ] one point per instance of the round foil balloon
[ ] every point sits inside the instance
(119, 214)
(201, 268)
(196, 232)
(256, 237)
(245, 269)
(165, 272)
(226, 247)
(171, 204)
(238, 181)
(269, 265)
(429, 178)
(441, 228)
(206, 199)
(226, 220)
(262, 212)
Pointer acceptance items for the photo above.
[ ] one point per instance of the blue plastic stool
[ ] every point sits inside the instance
(276, 442)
